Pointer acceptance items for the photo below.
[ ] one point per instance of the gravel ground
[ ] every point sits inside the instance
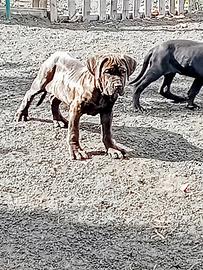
(100, 213)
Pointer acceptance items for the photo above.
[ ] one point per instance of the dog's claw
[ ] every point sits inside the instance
(56, 123)
(139, 108)
(116, 154)
(78, 154)
(20, 116)
(142, 109)
(61, 124)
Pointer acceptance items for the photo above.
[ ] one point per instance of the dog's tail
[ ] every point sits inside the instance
(48, 75)
(144, 66)
(42, 98)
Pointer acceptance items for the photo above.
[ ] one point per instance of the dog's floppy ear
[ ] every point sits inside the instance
(95, 64)
(130, 64)
(92, 64)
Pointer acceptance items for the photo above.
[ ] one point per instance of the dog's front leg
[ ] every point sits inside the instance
(76, 152)
(112, 149)
(193, 91)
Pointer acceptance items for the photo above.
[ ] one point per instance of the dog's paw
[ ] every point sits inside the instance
(20, 116)
(192, 106)
(139, 108)
(180, 100)
(116, 153)
(78, 154)
(61, 124)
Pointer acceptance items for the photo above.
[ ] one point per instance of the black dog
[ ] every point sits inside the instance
(176, 56)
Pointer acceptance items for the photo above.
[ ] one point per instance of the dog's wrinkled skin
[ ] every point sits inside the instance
(176, 56)
(89, 89)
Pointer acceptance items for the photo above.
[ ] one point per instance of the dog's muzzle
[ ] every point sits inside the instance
(118, 88)
(114, 90)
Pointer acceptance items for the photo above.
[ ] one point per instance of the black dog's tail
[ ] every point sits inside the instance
(144, 67)
(42, 98)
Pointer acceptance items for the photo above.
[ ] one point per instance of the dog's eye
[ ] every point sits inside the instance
(109, 71)
(122, 70)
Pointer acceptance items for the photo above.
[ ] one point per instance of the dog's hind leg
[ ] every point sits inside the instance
(22, 112)
(38, 86)
(57, 116)
(165, 89)
(193, 91)
(150, 76)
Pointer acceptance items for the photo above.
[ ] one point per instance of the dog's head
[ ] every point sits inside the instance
(111, 72)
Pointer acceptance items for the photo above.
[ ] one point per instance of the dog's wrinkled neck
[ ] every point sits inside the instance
(99, 103)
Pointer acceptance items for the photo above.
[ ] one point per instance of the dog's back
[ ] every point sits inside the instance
(61, 60)
(178, 56)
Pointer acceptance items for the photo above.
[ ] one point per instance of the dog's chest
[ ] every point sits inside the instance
(97, 104)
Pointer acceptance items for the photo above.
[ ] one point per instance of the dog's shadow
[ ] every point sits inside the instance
(152, 143)
(37, 119)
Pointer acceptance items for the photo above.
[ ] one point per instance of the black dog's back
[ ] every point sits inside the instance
(174, 56)
(186, 56)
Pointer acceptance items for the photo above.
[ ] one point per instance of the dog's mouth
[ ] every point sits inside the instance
(114, 90)
(110, 92)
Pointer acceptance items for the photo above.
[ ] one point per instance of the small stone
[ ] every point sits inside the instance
(185, 188)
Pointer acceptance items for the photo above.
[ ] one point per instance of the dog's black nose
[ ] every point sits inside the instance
(118, 87)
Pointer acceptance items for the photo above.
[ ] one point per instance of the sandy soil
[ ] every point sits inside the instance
(100, 213)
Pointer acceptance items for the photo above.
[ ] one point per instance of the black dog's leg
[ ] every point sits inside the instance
(57, 116)
(193, 91)
(165, 89)
(150, 76)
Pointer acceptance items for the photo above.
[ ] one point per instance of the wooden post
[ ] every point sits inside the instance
(43, 4)
(162, 7)
(102, 10)
(172, 9)
(189, 6)
(136, 8)
(148, 7)
(86, 10)
(53, 11)
(180, 7)
(113, 9)
(35, 3)
(71, 8)
(125, 9)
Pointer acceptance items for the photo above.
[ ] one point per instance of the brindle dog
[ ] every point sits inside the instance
(87, 89)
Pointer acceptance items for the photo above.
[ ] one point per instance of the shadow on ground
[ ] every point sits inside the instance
(44, 240)
(152, 143)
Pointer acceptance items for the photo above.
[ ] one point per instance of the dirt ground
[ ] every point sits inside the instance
(99, 213)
